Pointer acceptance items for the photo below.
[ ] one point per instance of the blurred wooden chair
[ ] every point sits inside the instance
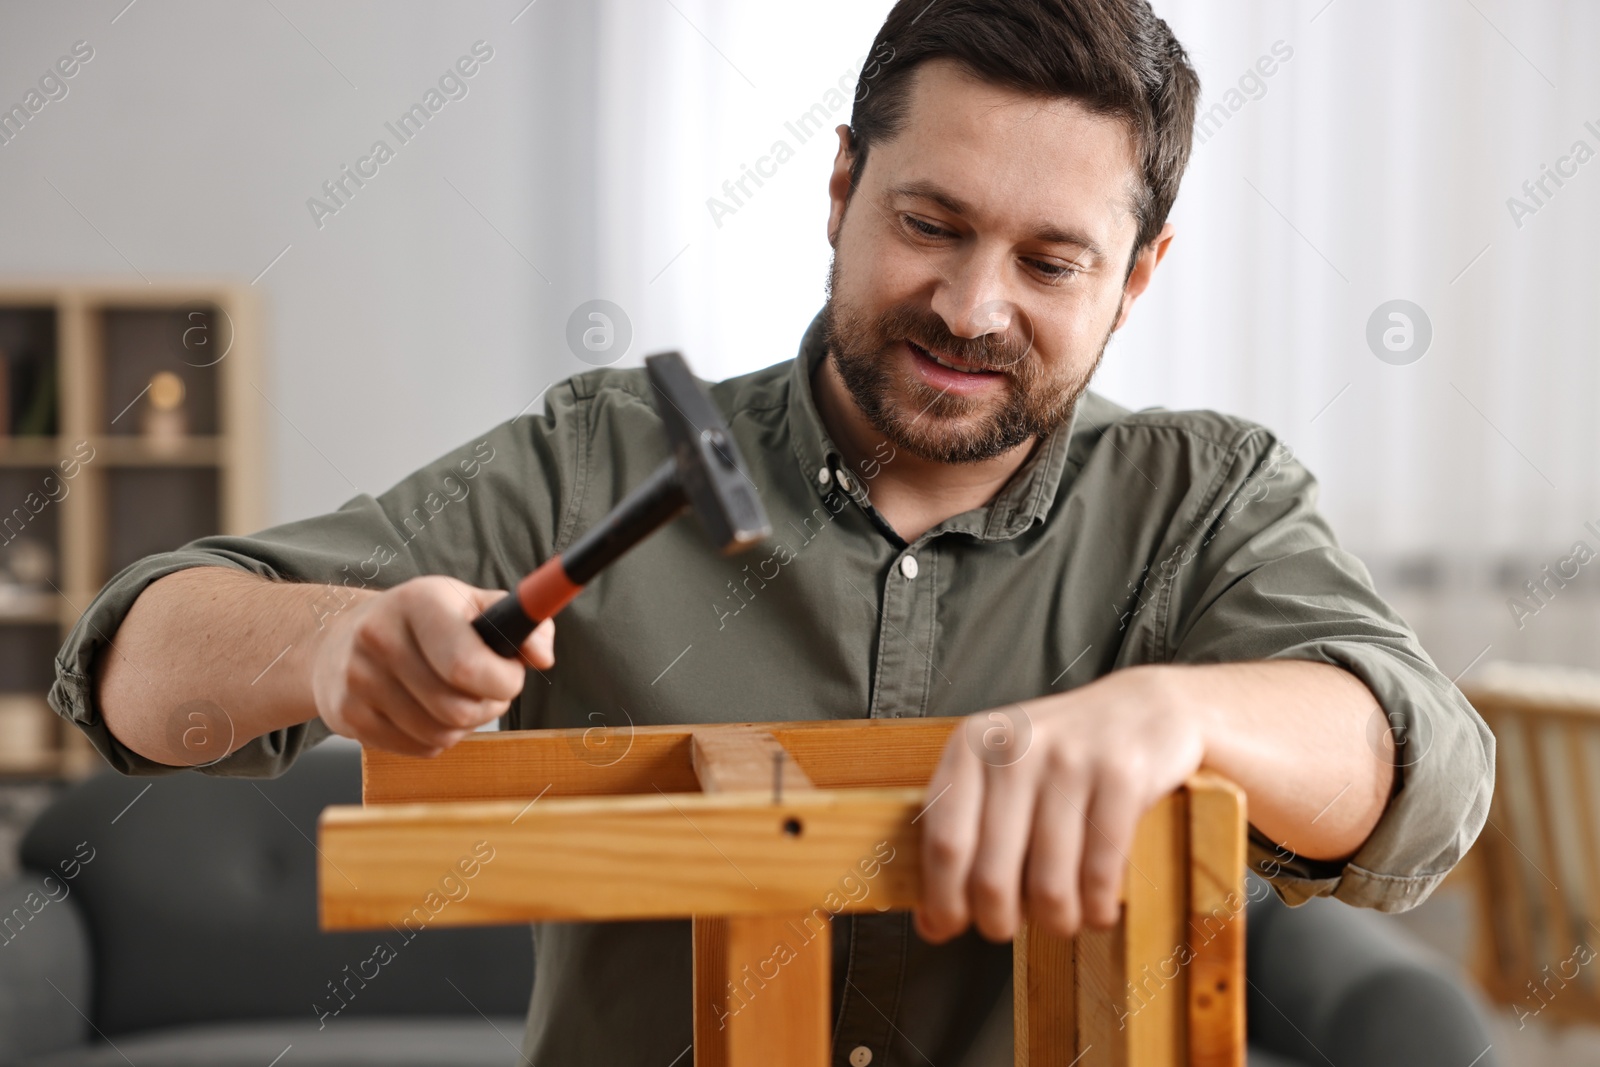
(1535, 869)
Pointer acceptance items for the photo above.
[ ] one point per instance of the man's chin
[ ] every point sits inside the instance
(953, 439)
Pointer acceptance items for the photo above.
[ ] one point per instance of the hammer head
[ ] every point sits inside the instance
(710, 468)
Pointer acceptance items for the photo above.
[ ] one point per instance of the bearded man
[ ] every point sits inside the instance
(962, 528)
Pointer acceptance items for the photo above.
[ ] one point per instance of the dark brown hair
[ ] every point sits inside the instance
(1113, 56)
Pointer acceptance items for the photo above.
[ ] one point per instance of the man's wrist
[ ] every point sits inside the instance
(1179, 689)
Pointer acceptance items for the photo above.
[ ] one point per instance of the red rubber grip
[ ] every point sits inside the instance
(546, 590)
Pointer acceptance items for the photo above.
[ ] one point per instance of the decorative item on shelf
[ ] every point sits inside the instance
(26, 744)
(27, 574)
(165, 420)
(31, 562)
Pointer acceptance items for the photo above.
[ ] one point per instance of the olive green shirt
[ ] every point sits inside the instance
(1126, 538)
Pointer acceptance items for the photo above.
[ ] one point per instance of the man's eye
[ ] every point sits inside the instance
(926, 229)
(1053, 271)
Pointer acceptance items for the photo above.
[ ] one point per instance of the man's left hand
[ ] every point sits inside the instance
(1033, 806)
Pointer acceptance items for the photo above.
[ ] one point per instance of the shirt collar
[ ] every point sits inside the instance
(1024, 501)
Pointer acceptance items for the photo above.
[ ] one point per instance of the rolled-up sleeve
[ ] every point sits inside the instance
(1258, 575)
(314, 550)
(484, 513)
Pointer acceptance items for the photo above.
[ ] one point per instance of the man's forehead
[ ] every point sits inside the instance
(1036, 164)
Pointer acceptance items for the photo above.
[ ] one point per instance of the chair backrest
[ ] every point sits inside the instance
(1536, 869)
(200, 898)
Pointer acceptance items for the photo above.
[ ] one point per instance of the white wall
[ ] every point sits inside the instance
(192, 141)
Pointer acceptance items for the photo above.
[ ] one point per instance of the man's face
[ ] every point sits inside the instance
(979, 269)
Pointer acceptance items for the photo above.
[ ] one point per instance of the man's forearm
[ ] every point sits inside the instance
(1307, 742)
(209, 658)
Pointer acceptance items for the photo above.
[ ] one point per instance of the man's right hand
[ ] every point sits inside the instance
(404, 670)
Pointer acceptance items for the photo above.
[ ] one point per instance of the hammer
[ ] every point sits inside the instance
(706, 474)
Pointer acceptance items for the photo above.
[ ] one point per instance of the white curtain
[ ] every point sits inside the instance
(1373, 164)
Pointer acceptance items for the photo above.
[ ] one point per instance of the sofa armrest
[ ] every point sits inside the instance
(1334, 984)
(45, 968)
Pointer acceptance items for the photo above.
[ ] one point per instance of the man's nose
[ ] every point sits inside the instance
(975, 301)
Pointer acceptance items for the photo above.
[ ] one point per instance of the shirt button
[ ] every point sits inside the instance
(860, 1056)
(844, 482)
(823, 477)
(908, 567)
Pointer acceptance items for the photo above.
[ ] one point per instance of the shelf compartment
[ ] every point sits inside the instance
(27, 656)
(157, 509)
(30, 383)
(31, 502)
(144, 350)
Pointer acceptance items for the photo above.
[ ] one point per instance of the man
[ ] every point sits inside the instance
(961, 528)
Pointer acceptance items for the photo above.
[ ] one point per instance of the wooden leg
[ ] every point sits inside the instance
(1153, 1010)
(1066, 995)
(1216, 922)
(762, 991)
(1165, 986)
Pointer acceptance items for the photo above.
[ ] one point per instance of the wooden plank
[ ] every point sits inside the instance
(1099, 989)
(710, 980)
(762, 983)
(522, 764)
(1525, 689)
(1560, 936)
(1044, 1004)
(903, 751)
(604, 761)
(742, 759)
(631, 857)
(1576, 739)
(84, 518)
(1504, 875)
(1217, 820)
(244, 461)
(1154, 1008)
(625, 857)
(762, 991)
(1112, 997)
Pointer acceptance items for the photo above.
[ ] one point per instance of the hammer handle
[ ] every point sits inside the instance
(651, 504)
(507, 622)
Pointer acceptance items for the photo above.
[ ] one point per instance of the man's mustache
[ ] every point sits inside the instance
(998, 352)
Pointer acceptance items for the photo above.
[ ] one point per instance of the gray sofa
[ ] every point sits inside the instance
(171, 921)
(1335, 986)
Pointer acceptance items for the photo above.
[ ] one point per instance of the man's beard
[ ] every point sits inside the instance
(1035, 404)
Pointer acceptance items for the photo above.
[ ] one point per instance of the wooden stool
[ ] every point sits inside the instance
(751, 830)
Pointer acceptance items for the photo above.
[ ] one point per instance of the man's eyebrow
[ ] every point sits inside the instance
(1046, 232)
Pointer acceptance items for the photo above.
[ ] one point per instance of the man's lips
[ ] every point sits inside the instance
(949, 375)
(948, 361)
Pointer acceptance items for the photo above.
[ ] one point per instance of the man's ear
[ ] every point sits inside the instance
(1144, 268)
(839, 183)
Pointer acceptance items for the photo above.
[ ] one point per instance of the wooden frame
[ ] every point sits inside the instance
(747, 829)
(235, 451)
(1535, 871)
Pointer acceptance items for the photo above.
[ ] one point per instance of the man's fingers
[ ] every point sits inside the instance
(994, 887)
(445, 704)
(540, 647)
(371, 728)
(1113, 816)
(377, 688)
(437, 619)
(1054, 855)
(949, 837)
